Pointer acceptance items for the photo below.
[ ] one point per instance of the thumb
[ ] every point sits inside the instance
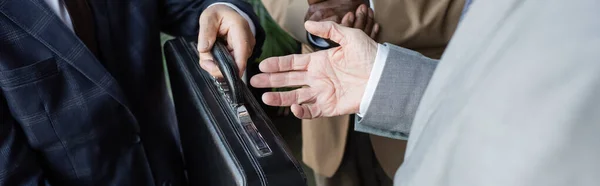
(209, 28)
(328, 30)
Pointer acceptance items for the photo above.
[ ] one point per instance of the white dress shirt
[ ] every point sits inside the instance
(58, 6)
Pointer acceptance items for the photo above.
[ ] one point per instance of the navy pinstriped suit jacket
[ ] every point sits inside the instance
(69, 118)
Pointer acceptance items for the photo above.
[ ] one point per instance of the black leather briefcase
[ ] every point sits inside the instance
(226, 137)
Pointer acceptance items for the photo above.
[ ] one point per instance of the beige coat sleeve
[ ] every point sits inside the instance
(422, 25)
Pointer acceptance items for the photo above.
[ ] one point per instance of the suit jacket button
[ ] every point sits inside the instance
(137, 139)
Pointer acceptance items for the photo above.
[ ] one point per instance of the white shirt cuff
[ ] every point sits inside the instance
(242, 13)
(376, 71)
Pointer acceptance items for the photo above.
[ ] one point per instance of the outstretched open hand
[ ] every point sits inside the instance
(332, 81)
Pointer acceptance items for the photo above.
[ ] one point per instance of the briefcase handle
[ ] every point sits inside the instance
(229, 70)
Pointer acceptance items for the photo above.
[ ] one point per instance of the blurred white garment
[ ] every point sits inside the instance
(514, 101)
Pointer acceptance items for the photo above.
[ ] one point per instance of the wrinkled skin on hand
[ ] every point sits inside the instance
(333, 81)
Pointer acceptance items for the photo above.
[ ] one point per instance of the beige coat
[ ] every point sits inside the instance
(422, 25)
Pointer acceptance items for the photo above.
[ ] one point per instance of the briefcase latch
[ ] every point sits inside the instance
(248, 129)
(260, 147)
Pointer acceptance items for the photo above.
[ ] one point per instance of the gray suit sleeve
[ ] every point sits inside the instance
(393, 106)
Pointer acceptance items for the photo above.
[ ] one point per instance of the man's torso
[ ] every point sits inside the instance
(85, 115)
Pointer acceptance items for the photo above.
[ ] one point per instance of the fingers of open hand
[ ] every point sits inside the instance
(285, 79)
(298, 100)
(305, 111)
(287, 63)
(288, 98)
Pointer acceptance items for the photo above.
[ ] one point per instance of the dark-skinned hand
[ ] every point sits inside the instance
(349, 13)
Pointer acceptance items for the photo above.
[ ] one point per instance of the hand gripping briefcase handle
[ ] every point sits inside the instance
(229, 69)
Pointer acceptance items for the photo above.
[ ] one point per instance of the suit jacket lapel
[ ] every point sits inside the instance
(38, 20)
